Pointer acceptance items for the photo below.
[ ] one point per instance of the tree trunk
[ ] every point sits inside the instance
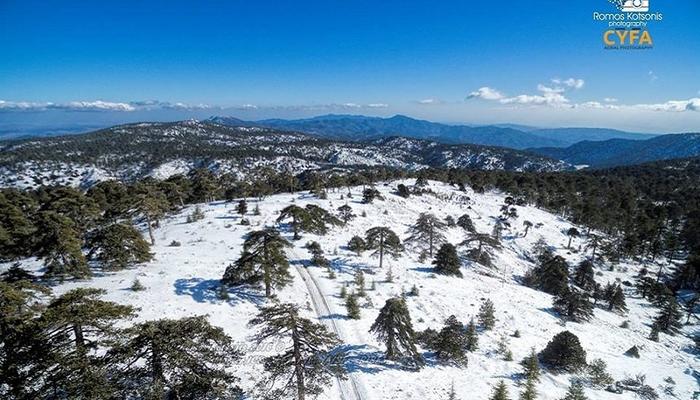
(568, 246)
(266, 271)
(527, 228)
(79, 341)
(431, 243)
(150, 229)
(156, 366)
(381, 250)
(298, 363)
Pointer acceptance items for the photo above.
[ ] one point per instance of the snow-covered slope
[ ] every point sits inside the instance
(180, 281)
(134, 151)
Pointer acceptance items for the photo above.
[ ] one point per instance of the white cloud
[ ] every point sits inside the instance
(429, 101)
(574, 83)
(486, 93)
(610, 100)
(672, 105)
(652, 76)
(377, 105)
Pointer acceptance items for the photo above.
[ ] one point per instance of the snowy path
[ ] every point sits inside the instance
(349, 389)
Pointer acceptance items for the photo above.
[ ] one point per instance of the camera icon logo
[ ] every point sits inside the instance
(635, 6)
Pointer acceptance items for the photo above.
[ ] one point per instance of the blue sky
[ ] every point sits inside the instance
(536, 62)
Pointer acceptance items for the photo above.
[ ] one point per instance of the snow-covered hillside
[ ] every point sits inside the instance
(181, 281)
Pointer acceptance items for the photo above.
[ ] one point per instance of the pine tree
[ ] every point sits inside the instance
(402, 190)
(573, 305)
(427, 232)
(24, 354)
(151, 205)
(483, 240)
(527, 224)
(60, 247)
(486, 316)
(571, 233)
(450, 344)
(357, 245)
(352, 306)
(263, 259)
(345, 213)
(584, 276)
(76, 325)
(500, 392)
(530, 391)
(471, 336)
(242, 207)
(465, 222)
(563, 353)
(452, 395)
(360, 282)
(16, 227)
(531, 367)
(167, 358)
(669, 318)
(118, 246)
(446, 261)
(297, 215)
(616, 300)
(371, 194)
(306, 366)
(551, 276)
(575, 392)
(383, 241)
(393, 327)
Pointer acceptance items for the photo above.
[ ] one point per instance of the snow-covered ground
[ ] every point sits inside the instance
(180, 279)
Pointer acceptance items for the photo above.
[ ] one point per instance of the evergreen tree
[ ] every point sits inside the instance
(465, 222)
(527, 224)
(575, 392)
(573, 305)
(584, 276)
(371, 194)
(500, 392)
(486, 316)
(352, 306)
(471, 337)
(393, 327)
(118, 246)
(24, 355)
(482, 240)
(263, 259)
(383, 241)
(174, 359)
(571, 233)
(297, 215)
(242, 207)
(60, 246)
(450, 344)
(427, 232)
(563, 353)
(16, 227)
(360, 282)
(530, 391)
(446, 261)
(616, 299)
(306, 366)
(402, 190)
(76, 325)
(151, 205)
(531, 367)
(551, 276)
(345, 213)
(357, 245)
(669, 318)
(452, 395)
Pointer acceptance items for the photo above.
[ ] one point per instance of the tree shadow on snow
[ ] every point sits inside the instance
(369, 360)
(206, 291)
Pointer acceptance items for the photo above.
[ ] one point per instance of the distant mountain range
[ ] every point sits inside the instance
(359, 128)
(615, 152)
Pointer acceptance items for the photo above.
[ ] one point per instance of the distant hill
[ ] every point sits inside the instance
(616, 152)
(575, 135)
(133, 151)
(362, 128)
